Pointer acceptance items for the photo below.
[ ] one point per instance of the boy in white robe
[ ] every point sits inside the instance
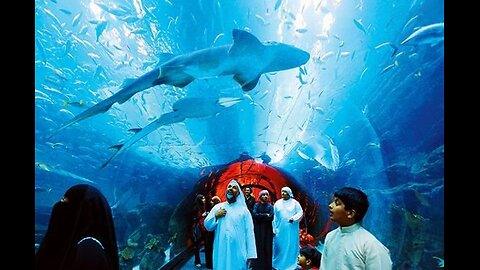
(234, 242)
(287, 213)
(350, 246)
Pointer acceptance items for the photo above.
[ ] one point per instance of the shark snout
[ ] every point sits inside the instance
(287, 57)
(303, 56)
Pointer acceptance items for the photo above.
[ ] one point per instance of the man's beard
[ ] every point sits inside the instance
(231, 199)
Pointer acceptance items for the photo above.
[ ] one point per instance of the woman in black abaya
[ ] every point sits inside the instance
(80, 233)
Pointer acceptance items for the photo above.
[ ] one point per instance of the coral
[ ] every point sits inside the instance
(127, 253)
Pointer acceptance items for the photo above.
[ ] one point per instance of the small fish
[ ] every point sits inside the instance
(303, 155)
(54, 145)
(53, 17)
(373, 145)
(74, 103)
(100, 28)
(262, 20)
(76, 19)
(66, 11)
(277, 4)
(67, 112)
(440, 262)
(359, 25)
(387, 68)
(82, 31)
(41, 189)
(217, 37)
(363, 72)
(409, 22)
(383, 45)
(42, 166)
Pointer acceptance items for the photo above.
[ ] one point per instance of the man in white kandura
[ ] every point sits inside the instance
(234, 242)
(287, 213)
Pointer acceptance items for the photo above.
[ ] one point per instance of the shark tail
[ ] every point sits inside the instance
(108, 161)
(167, 118)
(395, 49)
(117, 147)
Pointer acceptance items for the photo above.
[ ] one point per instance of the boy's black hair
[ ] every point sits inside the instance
(312, 254)
(354, 199)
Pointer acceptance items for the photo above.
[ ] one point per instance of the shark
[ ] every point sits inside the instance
(246, 59)
(190, 107)
(429, 34)
(55, 170)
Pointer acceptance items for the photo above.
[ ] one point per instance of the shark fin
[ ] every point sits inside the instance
(127, 82)
(246, 82)
(182, 83)
(116, 147)
(244, 42)
(395, 49)
(135, 130)
(164, 57)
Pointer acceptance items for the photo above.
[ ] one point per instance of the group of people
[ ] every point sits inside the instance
(256, 235)
(267, 236)
(81, 233)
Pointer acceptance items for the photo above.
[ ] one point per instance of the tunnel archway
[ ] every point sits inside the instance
(248, 172)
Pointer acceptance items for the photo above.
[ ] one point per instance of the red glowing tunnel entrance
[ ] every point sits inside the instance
(248, 173)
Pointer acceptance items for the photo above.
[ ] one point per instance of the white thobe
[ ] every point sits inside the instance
(354, 248)
(234, 240)
(286, 242)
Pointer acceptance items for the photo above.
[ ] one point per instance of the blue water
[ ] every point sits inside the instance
(361, 113)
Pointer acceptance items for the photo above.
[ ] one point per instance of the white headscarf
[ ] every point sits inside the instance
(240, 197)
(288, 191)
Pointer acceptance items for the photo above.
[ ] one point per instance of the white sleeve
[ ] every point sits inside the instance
(378, 257)
(298, 211)
(324, 258)
(250, 237)
(211, 221)
(276, 216)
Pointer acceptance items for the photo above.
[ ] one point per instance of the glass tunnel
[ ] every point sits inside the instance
(154, 102)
